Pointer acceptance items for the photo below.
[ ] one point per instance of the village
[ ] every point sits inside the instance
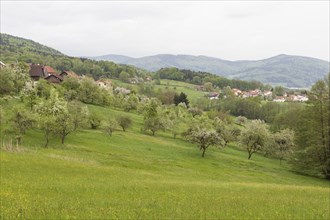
(38, 71)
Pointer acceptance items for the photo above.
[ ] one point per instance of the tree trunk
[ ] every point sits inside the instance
(249, 157)
(47, 139)
(62, 139)
(204, 149)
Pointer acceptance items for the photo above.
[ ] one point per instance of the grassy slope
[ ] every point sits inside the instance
(189, 89)
(133, 175)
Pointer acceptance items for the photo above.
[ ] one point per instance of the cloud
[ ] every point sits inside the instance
(229, 30)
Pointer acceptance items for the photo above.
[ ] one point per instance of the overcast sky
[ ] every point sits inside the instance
(228, 30)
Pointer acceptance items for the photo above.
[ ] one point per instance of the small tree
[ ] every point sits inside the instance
(30, 96)
(284, 143)
(79, 114)
(226, 132)
(65, 125)
(124, 122)
(110, 126)
(153, 124)
(254, 136)
(21, 121)
(94, 120)
(203, 137)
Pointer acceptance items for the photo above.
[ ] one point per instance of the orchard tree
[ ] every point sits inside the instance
(153, 119)
(254, 137)
(284, 143)
(49, 112)
(79, 114)
(201, 132)
(124, 122)
(94, 120)
(30, 97)
(64, 124)
(110, 126)
(21, 121)
(227, 132)
(203, 137)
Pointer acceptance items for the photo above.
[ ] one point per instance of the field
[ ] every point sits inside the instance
(132, 175)
(189, 89)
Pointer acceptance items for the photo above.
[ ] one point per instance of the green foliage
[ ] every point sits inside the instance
(124, 122)
(21, 121)
(13, 79)
(94, 120)
(254, 137)
(312, 155)
(123, 76)
(49, 112)
(110, 126)
(284, 143)
(182, 98)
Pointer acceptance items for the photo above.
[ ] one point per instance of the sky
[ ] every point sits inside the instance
(232, 30)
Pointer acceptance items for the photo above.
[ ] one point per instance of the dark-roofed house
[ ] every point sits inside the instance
(69, 74)
(37, 72)
(54, 78)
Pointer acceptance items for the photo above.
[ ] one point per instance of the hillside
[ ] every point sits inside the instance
(131, 175)
(15, 47)
(19, 49)
(285, 70)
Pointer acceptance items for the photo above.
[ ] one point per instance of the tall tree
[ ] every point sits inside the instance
(313, 148)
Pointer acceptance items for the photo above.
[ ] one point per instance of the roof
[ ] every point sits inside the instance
(36, 70)
(70, 73)
(55, 75)
(49, 69)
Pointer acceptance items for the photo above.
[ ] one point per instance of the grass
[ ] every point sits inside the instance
(189, 89)
(132, 175)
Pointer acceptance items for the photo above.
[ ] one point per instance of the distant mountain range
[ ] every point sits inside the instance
(285, 70)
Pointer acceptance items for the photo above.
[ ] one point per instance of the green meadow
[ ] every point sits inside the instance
(132, 175)
(187, 88)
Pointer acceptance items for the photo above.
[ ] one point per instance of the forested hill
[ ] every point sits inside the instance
(285, 70)
(15, 49)
(12, 46)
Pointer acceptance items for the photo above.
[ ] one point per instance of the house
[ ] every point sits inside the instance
(38, 71)
(66, 73)
(104, 83)
(300, 98)
(279, 99)
(213, 95)
(54, 78)
(268, 93)
(237, 92)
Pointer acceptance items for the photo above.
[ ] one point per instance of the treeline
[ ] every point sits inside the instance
(200, 78)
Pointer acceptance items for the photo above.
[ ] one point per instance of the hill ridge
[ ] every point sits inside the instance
(282, 69)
